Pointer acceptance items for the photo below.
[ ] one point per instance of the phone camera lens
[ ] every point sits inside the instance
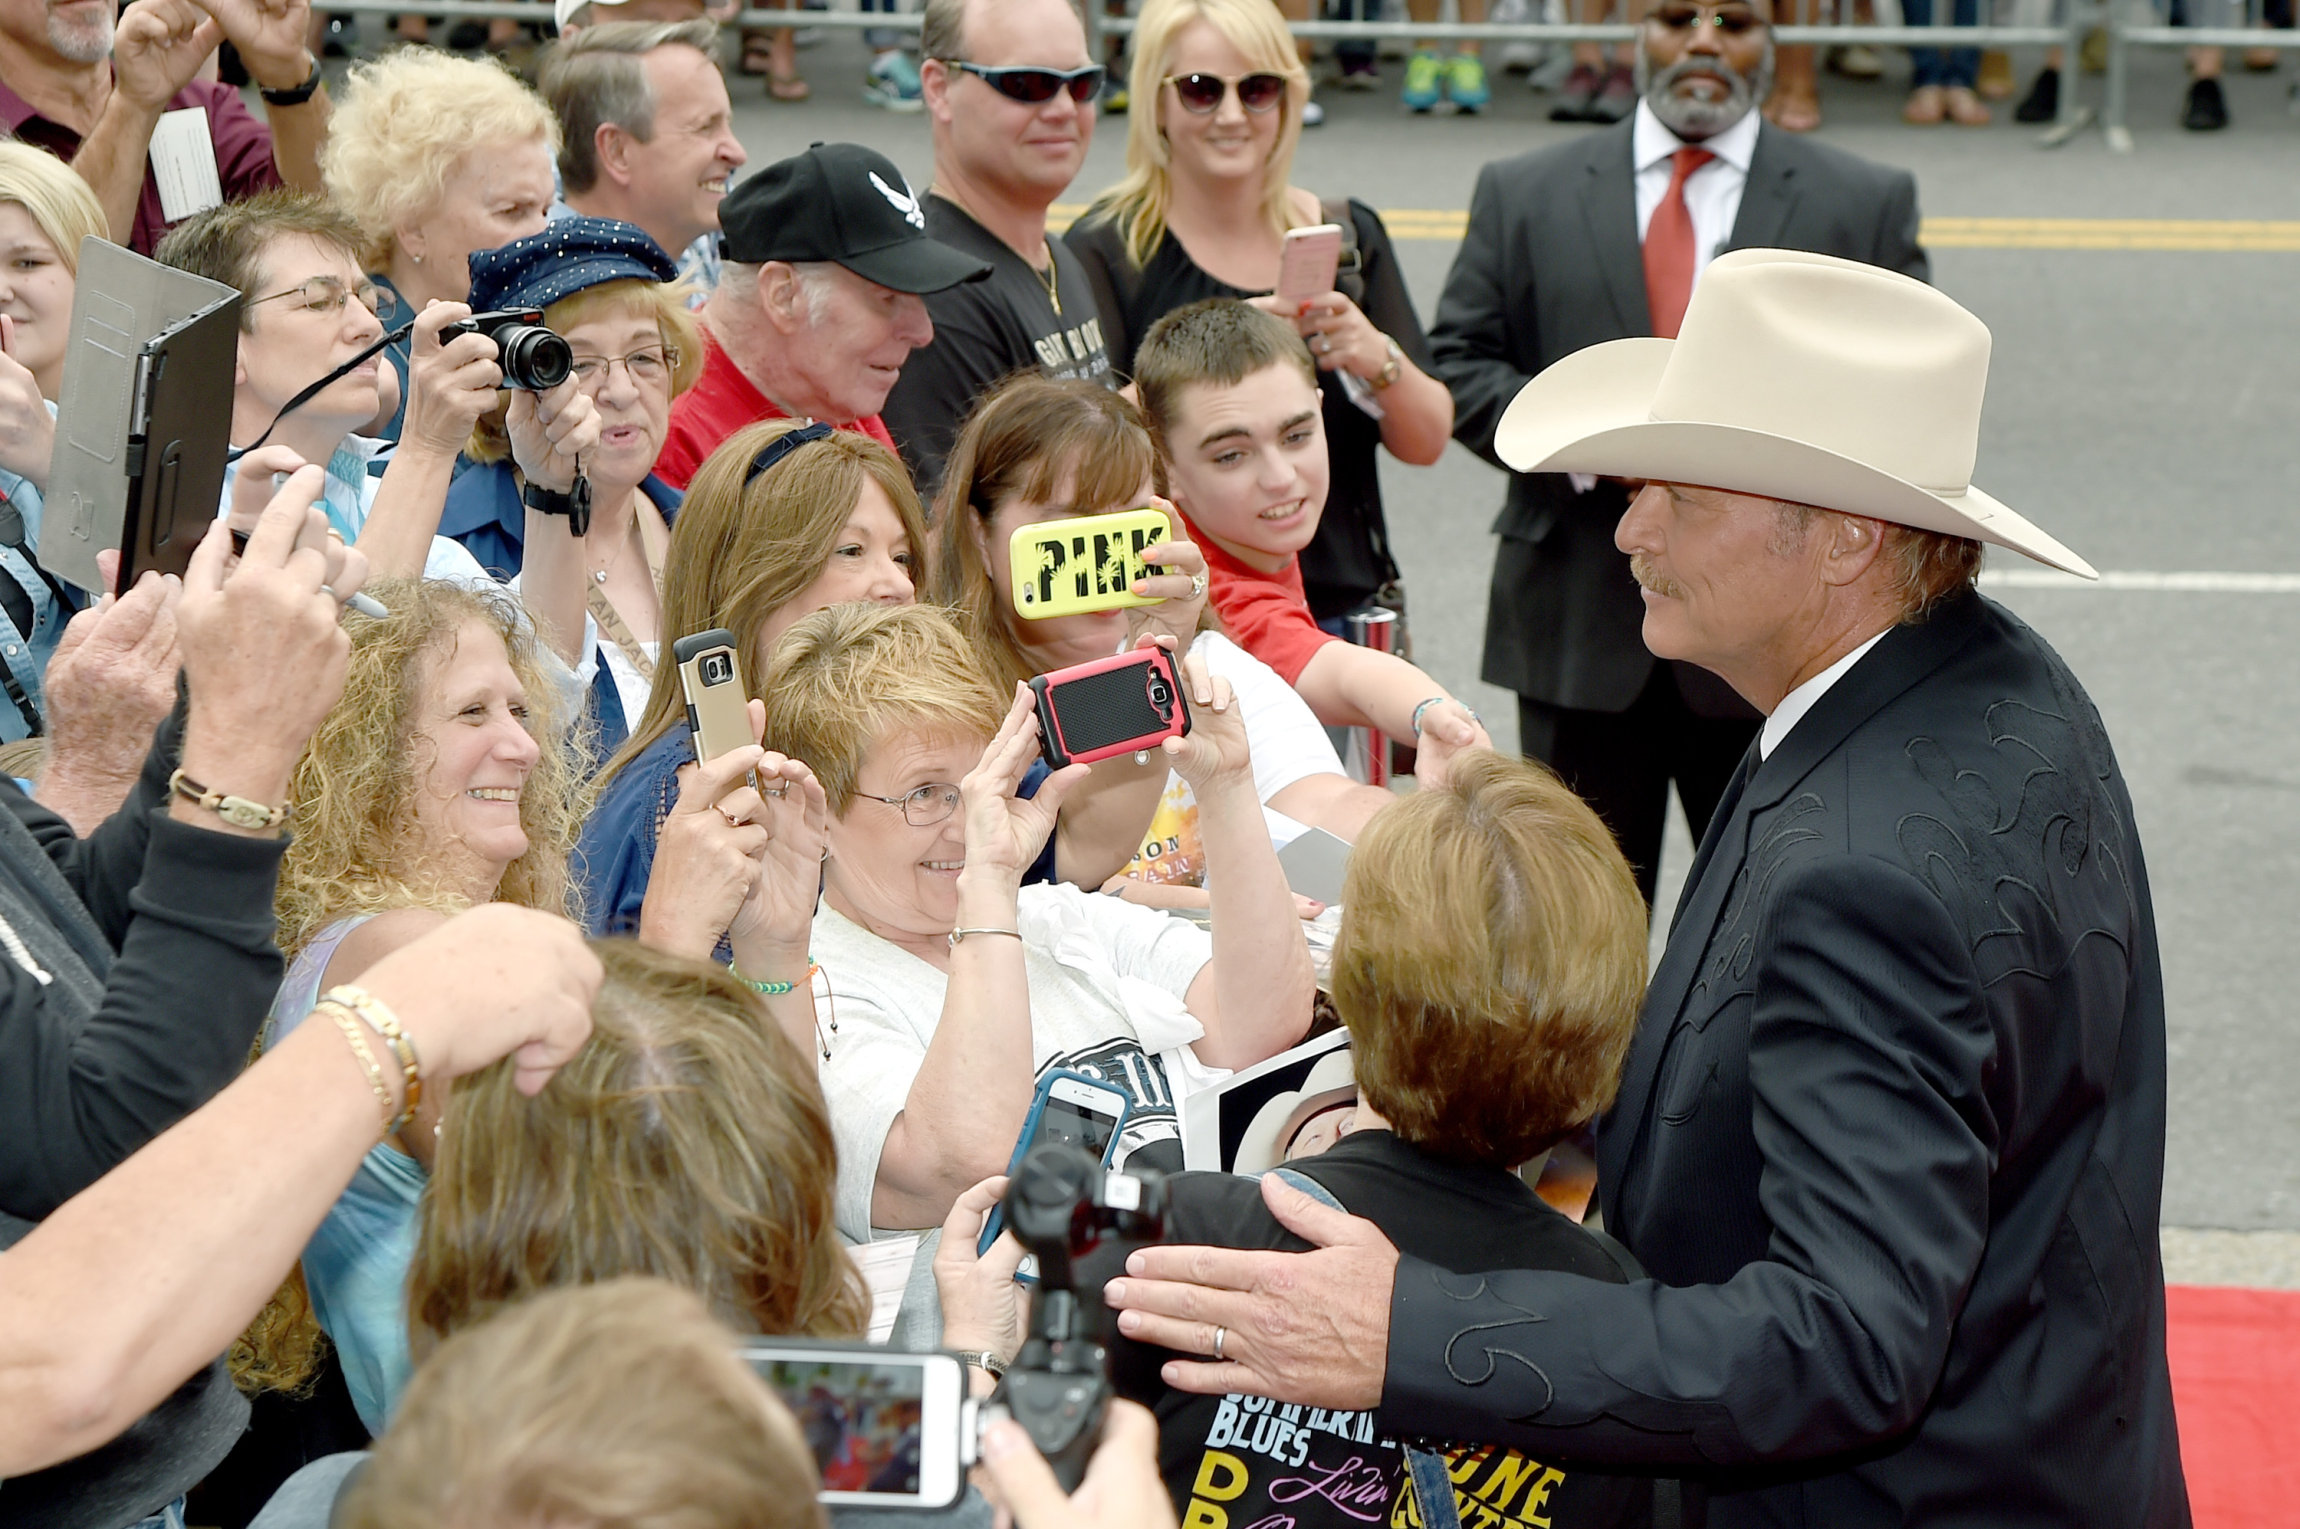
(717, 669)
(1161, 698)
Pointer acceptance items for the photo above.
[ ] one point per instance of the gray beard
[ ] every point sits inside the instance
(1694, 120)
(82, 45)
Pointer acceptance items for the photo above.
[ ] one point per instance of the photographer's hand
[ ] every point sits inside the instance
(109, 687)
(551, 433)
(1312, 1328)
(450, 384)
(1005, 832)
(982, 1306)
(1179, 585)
(1122, 1489)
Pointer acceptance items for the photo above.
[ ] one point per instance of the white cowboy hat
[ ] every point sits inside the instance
(1328, 1083)
(1798, 377)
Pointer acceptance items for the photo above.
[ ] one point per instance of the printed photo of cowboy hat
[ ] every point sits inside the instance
(1329, 1085)
(1798, 377)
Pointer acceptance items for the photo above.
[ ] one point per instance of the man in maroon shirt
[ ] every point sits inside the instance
(71, 84)
(818, 302)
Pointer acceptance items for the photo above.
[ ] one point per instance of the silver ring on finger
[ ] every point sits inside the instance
(732, 820)
(1197, 586)
(1220, 1334)
(778, 791)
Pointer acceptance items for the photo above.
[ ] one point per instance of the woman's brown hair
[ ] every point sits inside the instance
(744, 546)
(688, 1140)
(1490, 962)
(1020, 442)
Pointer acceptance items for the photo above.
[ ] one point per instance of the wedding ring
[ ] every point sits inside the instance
(1197, 585)
(778, 790)
(1220, 1333)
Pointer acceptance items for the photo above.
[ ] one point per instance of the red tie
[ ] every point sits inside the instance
(1670, 259)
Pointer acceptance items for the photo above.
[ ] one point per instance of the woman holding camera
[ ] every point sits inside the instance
(604, 286)
(783, 519)
(952, 987)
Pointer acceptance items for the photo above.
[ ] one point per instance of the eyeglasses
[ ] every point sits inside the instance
(327, 294)
(928, 805)
(1032, 86)
(1732, 21)
(650, 365)
(1202, 93)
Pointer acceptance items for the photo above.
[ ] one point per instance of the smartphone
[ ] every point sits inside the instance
(887, 1429)
(1107, 706)
(1310, 262)
(1074, 1110)
(1085, 562)
(711, 674)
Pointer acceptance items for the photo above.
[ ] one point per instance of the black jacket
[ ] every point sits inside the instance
(1890, 1139)
(1551, 265)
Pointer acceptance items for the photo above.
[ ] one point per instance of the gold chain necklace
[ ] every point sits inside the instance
(1050, 278)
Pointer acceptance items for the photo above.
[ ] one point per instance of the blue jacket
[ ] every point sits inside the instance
(616, 853)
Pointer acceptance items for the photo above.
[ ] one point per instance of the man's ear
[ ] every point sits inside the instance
(1853, 545)
(611, 150)
(934, 88)
(781, 299)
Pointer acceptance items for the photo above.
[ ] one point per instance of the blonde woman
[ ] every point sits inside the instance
(45, 211)
(436, 156)
(1203, 212)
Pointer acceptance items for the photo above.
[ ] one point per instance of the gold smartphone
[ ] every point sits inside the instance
(711, 674)
(1084, 562)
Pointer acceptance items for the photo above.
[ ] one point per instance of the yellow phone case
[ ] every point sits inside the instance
(1086, 563)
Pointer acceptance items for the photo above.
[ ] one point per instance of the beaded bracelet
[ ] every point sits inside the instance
(383, 1022)
(772, 989)
(351, 1033)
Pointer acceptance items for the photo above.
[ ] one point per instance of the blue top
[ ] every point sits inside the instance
(396, 311)
(484, 513)
(26, 652)
(616, 853)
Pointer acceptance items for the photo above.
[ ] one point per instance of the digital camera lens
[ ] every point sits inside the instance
(533, 357)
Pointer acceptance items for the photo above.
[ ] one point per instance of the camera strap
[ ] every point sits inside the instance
(391, 337)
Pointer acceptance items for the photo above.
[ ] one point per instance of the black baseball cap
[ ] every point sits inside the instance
(844, 203)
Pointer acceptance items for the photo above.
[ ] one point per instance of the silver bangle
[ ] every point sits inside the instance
(959, 935)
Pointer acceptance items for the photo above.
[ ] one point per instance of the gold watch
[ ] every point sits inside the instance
(235, 810)
(1390, 368)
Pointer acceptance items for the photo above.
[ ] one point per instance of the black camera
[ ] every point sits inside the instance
(532, 357)
(1062, 1205)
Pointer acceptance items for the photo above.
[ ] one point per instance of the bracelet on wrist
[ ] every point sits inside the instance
(377, 1015)
(1392, 368)
(985, 1360)
(1439, 700)
(358, 1041)
(294, 95)
(772, 989)
(958, 936)
(238, 811)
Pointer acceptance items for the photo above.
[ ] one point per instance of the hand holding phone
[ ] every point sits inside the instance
(1084, 563)
(718, 704)
(1125, 704)
(1074, 1110)
(1005, 831)
(1309, 263)
(887, 1429)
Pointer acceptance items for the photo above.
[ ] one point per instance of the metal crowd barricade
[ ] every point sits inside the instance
(2145, 30)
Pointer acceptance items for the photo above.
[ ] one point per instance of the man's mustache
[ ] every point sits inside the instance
(1641, 569)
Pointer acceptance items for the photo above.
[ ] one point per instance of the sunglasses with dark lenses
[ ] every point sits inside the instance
(1036, 87)
(1202, 93)
(1733, 21)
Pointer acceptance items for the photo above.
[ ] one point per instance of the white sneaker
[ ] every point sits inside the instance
(1313, 115)
(1517, 57)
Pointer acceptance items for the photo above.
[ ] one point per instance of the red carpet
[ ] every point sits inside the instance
(2235, 1357)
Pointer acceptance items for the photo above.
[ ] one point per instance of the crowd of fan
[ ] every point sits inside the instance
(811, 408)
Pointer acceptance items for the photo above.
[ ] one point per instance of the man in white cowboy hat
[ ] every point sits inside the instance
(1600, 238)
(1890, 1138)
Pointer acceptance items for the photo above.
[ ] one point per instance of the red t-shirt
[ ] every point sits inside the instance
(720, 403)
(1265, 612)
(243, 149)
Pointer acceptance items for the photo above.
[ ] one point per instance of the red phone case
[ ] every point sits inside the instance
(1109, 706)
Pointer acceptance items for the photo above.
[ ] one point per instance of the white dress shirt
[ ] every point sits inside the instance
(1712, 193)
(1801, 700)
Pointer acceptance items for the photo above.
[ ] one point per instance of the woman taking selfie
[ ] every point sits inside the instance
(603, 286)
(1040, 449)
(952, 986)
(783, 519)
(1203, 212)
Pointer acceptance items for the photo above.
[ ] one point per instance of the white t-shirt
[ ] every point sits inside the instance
(1106, 979)
(1288, 744)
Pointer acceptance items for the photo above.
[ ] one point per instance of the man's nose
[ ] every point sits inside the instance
(1635, 533)
(911, 321)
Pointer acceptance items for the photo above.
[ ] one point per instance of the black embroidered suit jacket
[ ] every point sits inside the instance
(1890, 1139)
(1550, 264)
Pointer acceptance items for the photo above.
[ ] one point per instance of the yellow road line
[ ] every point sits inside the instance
(2205, 235)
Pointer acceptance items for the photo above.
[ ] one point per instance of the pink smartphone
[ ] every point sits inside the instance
(1310, 261)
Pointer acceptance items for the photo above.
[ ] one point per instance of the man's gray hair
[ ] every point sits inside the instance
(1922, 568)
(595, 79)
(942, 31)
(739, 281)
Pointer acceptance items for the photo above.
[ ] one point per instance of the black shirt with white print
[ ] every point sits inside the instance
(985, 331)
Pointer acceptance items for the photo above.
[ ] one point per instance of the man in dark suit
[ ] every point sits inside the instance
(1600, 239)
(1890, 1137)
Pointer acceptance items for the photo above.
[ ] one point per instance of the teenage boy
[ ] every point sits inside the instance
(1231, 396)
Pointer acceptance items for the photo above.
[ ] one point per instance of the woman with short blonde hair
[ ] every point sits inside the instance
(1217, 97)
(436, 156)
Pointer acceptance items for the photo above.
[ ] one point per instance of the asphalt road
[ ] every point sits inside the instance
(2144, 405)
